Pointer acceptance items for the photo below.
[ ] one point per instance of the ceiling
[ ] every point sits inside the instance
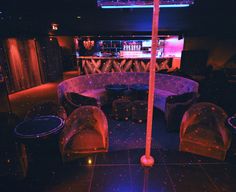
(75, 17)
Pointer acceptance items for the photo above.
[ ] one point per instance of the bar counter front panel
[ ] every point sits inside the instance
(91, 64)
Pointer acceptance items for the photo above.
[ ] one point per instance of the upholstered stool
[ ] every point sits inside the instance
(115, 91)
(139, 91)
(139, 111)
(121, 109)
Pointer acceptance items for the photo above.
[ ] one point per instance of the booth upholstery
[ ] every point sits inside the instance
(94, 85)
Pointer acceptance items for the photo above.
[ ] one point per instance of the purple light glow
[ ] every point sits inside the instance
(109, 4)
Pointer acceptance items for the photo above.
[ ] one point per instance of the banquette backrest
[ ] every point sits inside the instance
(174, 84)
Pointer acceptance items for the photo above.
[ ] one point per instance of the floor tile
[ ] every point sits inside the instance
(136, 154)
(111, 179)
(224, 176)
(177, 157)
(153, 179)
(190, 178)
(71, 178)
(115, 157)
(207, 160)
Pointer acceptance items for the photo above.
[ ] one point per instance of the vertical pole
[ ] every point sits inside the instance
(147, 159)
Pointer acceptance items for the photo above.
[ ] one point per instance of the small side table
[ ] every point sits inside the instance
(231, 123)
(39, 137)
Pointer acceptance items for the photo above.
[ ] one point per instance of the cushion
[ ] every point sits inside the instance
(160, 98)
(94, 93)
(86, 140)
(180, 98)
(79, 99)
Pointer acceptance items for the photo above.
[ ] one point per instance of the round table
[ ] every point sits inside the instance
(231, 123)
(39, 138)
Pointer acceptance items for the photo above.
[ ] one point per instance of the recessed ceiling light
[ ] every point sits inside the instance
(0, 12)
(78, 17)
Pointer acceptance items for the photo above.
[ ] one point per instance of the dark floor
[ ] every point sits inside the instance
(120, 169)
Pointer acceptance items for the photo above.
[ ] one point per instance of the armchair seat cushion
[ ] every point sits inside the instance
(87, 140)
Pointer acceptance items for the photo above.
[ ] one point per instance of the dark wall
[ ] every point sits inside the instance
(220, 48)
(27, 18)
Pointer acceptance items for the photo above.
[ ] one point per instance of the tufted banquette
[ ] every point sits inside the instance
(93, 85)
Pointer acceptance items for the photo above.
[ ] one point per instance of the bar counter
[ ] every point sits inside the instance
(94, 64)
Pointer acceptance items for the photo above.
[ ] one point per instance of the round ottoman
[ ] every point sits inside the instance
(139, 111)
(39, 138)
(115, 91)
(121, 109)
(139, 91)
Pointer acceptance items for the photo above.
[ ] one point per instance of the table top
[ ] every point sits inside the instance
(139, 87)
(116, 87)
(39, 127)
(232, 122)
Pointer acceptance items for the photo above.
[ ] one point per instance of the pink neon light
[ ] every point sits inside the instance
(173, 47)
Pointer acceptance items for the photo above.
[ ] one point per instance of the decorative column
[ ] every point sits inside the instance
(147, 159)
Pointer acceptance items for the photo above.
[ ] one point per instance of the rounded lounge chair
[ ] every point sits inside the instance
(86, 132)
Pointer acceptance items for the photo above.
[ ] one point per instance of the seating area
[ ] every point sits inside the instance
(93, 86)
(93, 132)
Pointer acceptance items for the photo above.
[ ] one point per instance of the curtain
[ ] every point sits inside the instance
(23, 64)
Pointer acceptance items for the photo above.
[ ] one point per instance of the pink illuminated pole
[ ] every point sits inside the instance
(147, 160)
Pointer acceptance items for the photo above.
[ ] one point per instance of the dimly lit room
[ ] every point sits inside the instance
(117, 96)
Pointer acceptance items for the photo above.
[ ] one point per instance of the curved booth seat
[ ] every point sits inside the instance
(94, 85)
(86, 132)
(72, 101)
(203, 131)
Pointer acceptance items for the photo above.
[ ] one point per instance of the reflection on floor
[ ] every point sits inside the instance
(119, 169)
